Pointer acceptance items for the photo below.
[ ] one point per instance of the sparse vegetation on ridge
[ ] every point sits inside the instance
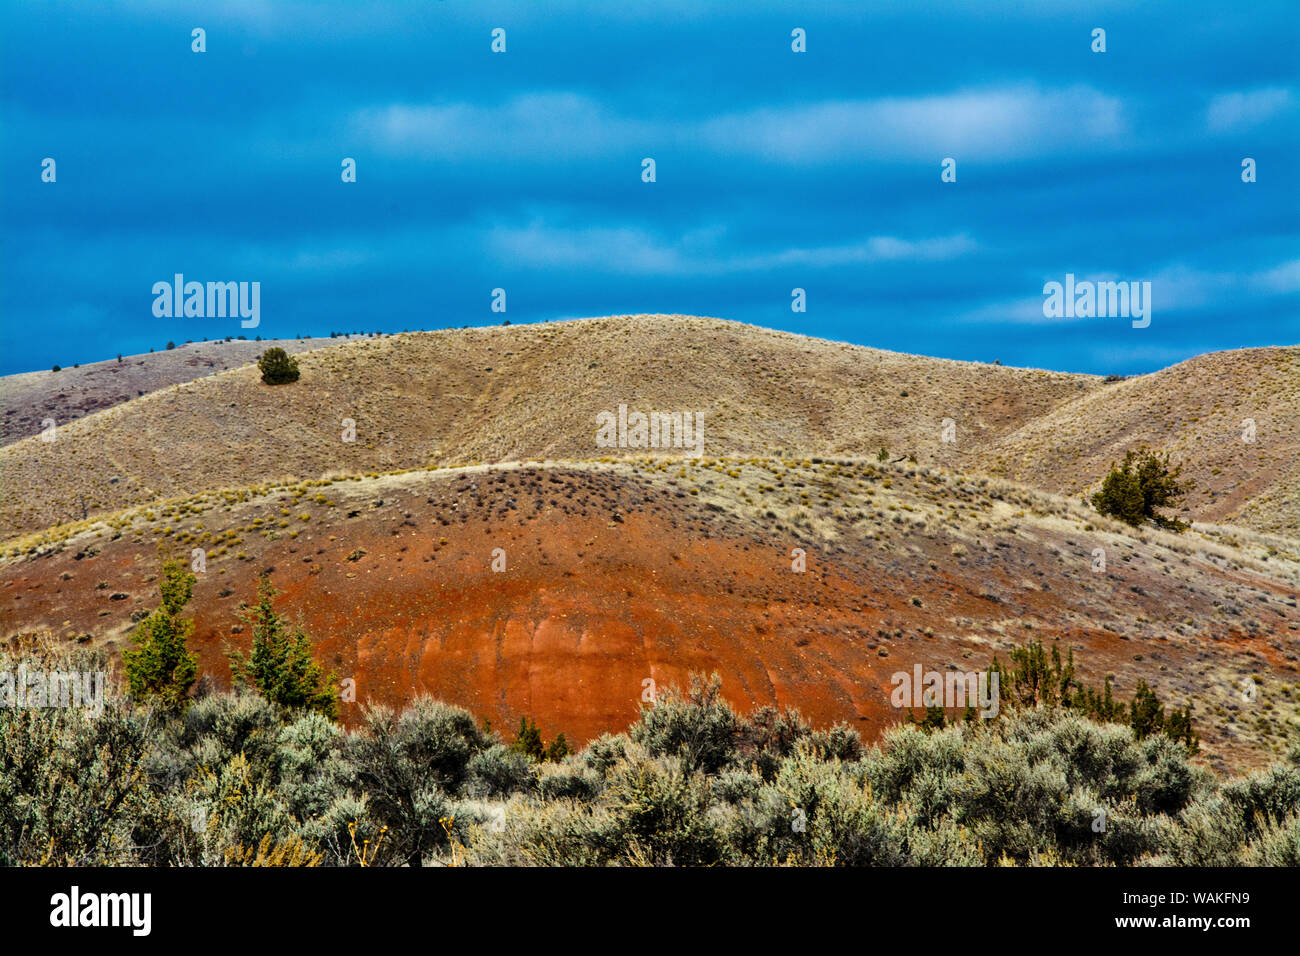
(415, 399)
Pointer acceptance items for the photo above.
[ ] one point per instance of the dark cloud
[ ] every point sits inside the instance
(775, 170)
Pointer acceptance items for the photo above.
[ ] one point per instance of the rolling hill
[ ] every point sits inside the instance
(477, 543)
(1233, 418)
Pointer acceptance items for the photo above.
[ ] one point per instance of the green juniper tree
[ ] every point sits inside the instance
(1146, 715)
(162, 668)
(280, 664)
(277, 367)
(1178, 726)
(1136, 487)
(1101, 706)
(1036, 678)
(558, 750)
(529, 740)
(934, 719)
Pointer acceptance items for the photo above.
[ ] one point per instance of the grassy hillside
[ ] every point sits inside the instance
(513, 393)
(1200, 411)
(533, 392)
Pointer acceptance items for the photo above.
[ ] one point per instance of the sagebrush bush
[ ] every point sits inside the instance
(236, 780)
(68, 777)
(499, 771)
(409, 765)
(570, 779)
(1263, 799)
(1277, 844)
(604, 752)
(559, 833)
(833, 819)
(66, 783)
(660, 814)
(699, 726)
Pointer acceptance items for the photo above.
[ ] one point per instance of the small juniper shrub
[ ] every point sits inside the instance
(277, 366)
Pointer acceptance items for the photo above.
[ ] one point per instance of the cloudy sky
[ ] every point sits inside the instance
(774, 170)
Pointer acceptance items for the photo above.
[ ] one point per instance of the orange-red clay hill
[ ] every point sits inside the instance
(622, 573)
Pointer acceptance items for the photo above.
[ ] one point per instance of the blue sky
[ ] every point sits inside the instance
(775, 170)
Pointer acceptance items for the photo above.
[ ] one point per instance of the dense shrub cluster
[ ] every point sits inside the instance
(236, 780)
